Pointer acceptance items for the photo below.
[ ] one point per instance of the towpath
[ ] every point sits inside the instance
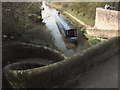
(79, 21)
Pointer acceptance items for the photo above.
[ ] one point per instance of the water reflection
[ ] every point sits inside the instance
(49, 16)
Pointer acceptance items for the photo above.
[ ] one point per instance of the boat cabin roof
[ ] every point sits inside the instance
(66, 24)
(70, 29)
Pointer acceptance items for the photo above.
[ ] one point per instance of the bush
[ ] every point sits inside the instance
(94, 41)
(19, 21)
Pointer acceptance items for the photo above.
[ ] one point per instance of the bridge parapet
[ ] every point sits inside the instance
(62, 73)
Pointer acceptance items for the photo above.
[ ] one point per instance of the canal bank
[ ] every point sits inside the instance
(54, 75)
(77, 22)
(50, 15)
(24, 25)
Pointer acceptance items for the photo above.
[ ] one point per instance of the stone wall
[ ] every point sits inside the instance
(102, 34)
(107, 19)
(13, 52)
(63, 72)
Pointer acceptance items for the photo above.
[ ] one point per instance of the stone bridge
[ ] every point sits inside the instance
(62, 73)
(107, 24)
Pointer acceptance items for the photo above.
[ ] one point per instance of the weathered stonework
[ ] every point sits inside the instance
(107, 19)
(103, 34)
(107, 24)
(62, 73)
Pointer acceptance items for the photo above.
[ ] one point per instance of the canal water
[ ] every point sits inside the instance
(49, 16)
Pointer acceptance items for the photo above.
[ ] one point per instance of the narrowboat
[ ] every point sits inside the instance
(68, 30)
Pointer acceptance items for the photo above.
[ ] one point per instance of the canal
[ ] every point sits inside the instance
(49, 16)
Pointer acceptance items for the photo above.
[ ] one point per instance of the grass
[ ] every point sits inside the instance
(94, 41)
(91, 40)
(86, 21)
(85, 11)
(74, 22)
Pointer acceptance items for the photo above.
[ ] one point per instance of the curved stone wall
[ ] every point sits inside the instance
(13, 52)
(63, 72)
